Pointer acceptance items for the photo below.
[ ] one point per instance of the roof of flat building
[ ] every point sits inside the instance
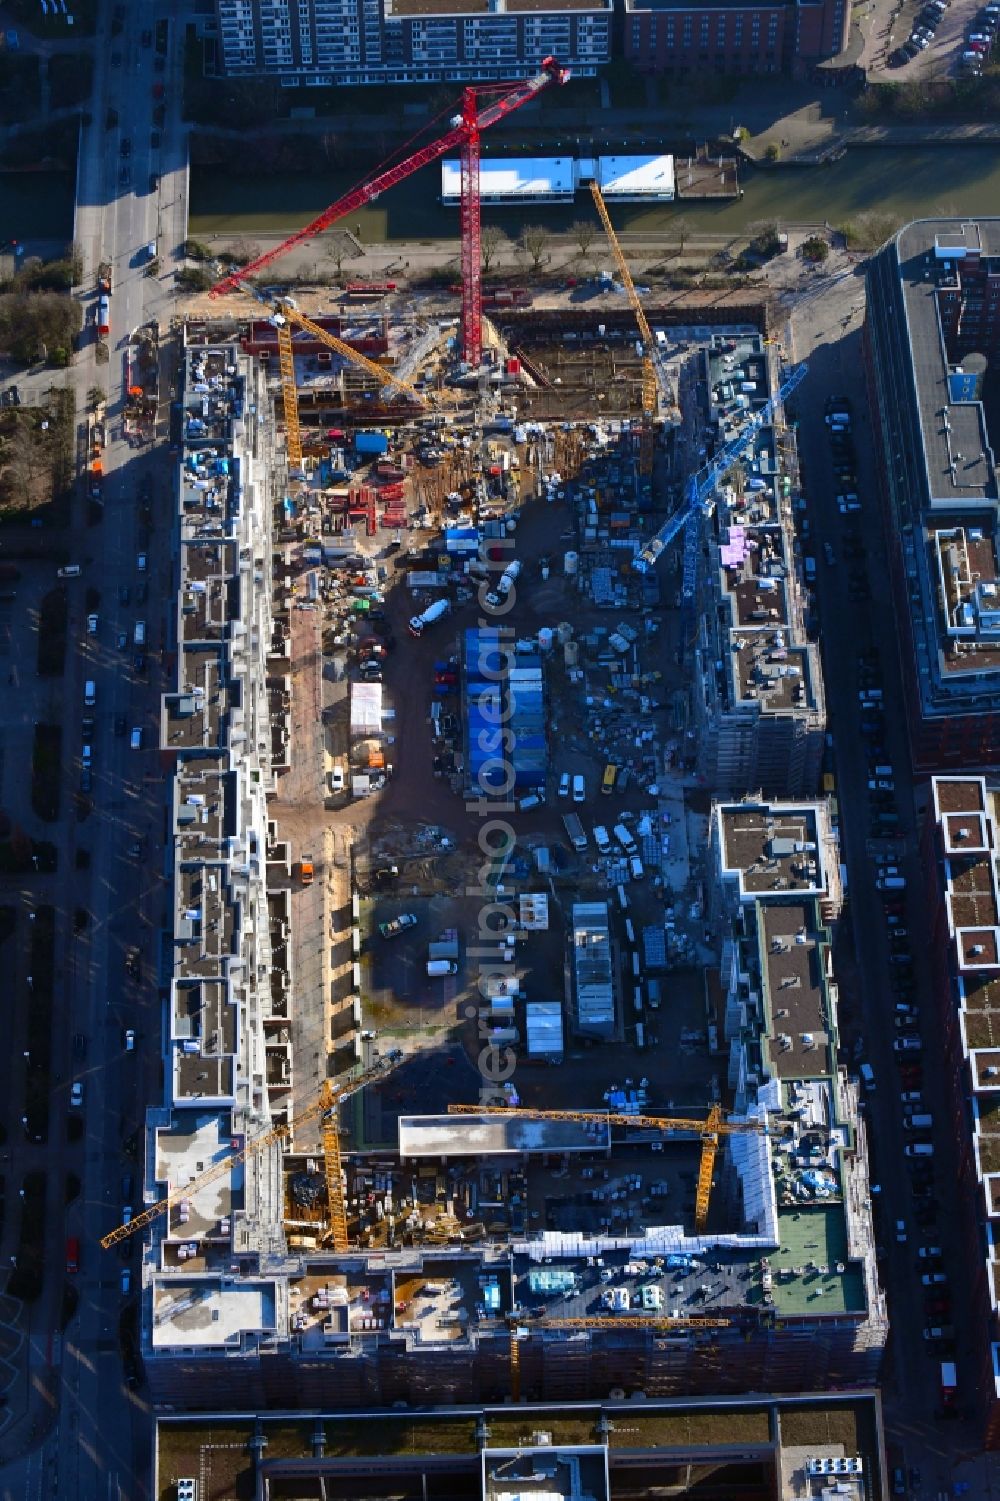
(799, 1037)
(959, 794)
(772, 849)
(211, 1310)
(495, 1134)
(956, 449)
(194, 1142)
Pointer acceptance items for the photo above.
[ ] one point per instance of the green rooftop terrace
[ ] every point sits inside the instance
(814, 1236)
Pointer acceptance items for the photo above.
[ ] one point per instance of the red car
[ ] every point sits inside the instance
(446, 677)
(157, 91)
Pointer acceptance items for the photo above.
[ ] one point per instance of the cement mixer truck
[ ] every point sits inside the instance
(436, 611)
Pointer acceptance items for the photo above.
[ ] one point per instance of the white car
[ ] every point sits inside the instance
(601, 838)
(76, 1094)
(337, 779)
(140, 562)
(564, 784)
(579, 789)
(129, 1040)
(91, 625)
(901, 1232)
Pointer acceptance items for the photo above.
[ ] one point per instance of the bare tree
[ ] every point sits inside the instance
(584, 234)
(338, 250)
(682, 230)
(244, 251)
(534, 243)
(491, 241)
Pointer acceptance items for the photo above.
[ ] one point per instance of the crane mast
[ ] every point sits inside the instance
(655, 380)
(708, 1131)
(697, 503)
(324, 1104)
(466, 129)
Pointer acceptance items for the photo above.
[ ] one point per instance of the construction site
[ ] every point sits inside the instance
(505, 1115)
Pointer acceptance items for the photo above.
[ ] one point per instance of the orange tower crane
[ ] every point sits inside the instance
(324, 1104)
(709, 1131)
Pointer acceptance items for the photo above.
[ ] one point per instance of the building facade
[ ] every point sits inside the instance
(351, 42)
(663, 36)
(932, 327)
(961, 838)
(323, 43)
(758, 703)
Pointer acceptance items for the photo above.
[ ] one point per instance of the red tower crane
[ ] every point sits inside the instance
(466, 129)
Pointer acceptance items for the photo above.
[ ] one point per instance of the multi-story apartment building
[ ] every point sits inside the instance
(350, 42)
(243, 1303)
(932, 323)
(961, 840)
(669, 36)
(757, 690)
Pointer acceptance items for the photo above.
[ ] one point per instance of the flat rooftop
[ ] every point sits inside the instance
(211, 1311)
(492, 1135)
(772, 850)
(192, 1144)
(958, 460)
(799, 1040)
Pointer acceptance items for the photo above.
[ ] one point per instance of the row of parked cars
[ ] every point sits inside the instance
(922, 34)
(979, 40)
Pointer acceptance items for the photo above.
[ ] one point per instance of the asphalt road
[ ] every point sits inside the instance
(828, 334)
(81, 1431)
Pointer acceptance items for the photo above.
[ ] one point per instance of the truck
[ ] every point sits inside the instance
(504, 584)
(104, 279)
(72, 1254)
(949, 1384)
(575, 831)
(103, 316)
(306, 870)
(436, 611)
(426, 578)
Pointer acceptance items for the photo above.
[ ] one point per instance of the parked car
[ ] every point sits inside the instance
(564, 784)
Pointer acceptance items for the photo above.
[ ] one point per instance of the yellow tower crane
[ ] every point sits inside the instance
(518, 1332)
(324, 1104)
(654, 377)
(284, 317)
(709, 1130)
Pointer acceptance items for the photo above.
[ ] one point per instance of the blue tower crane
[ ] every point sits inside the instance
(697, 502)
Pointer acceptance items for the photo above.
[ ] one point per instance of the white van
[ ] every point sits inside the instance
(89, 693)
(635, 866)
(135, 739)
(624, 838)
(918, 1122)
(601, 838)
(139, 634)
(71, 571)
(918, 1149)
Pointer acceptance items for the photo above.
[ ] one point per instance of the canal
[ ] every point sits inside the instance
(906, 182)
(909, 182)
